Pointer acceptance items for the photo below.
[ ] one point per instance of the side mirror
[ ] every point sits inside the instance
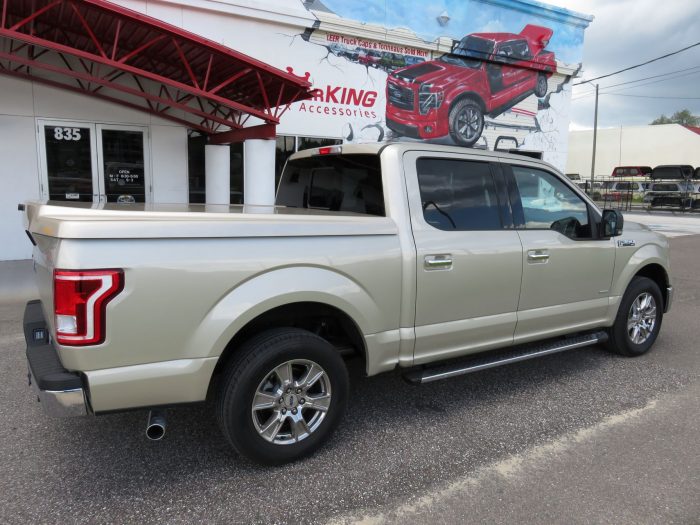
(612, 223)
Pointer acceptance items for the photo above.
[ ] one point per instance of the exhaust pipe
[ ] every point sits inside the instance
(155, 428)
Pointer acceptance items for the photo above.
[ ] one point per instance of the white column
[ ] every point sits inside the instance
(259, 173)
(217, 174)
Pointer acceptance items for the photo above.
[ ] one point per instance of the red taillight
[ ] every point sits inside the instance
(80, 299)
(328, 150)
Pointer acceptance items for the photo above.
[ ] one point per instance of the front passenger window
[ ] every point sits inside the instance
(548, 203)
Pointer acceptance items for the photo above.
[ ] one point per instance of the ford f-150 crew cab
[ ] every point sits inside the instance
(439, 260)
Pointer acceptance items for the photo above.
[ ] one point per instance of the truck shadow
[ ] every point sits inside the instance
(391, 429)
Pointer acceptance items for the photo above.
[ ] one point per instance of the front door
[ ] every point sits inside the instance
(87, 162)
(468, 256)
(567, 268)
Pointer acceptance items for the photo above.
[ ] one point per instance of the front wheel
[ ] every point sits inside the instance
(282, 396)
(638, 320)
(466, 122)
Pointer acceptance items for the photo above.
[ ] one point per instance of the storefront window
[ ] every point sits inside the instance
(195, 164)
(237, 173)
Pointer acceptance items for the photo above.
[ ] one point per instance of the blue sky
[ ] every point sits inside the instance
(466, 16)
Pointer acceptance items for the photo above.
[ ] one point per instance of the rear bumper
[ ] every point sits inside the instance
(60, 392)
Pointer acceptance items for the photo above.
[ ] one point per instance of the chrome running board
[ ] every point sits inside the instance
(513, 355)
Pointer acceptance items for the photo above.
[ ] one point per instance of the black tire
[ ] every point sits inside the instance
(541, 85)
(620, 340)
(251, 365)
(460, 116)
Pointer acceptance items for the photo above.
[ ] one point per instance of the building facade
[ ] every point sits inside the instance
(633, 146)
(492, 74)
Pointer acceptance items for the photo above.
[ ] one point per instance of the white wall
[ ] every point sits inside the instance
(632, 146)
(18, 182)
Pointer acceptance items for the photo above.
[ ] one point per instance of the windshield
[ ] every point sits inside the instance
(470, 52)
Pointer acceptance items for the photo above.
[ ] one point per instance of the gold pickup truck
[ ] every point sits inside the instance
(435, 259)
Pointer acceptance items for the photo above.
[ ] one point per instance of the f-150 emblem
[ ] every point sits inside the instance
(626, 242)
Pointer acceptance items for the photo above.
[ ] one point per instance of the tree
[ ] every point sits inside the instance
(684, 117)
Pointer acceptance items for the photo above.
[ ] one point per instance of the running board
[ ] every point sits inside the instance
(522, 353)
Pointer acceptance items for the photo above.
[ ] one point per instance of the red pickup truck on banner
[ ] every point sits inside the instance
(485, 74)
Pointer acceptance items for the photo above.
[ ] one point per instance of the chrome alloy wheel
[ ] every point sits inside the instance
(469, 123)
(291, 402)
(641, 318)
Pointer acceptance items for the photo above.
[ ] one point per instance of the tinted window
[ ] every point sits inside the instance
(548, 203)
(350, 183)
(458, 195)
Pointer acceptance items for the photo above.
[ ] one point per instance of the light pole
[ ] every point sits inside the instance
(595, 133)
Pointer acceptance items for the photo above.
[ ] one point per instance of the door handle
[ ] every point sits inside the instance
(537, 256)
(438, 262)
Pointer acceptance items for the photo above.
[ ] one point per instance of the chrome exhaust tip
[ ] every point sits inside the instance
(155, 428)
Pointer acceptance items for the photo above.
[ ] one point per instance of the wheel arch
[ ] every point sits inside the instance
(470, 95)
(659, 275)
(328, 322)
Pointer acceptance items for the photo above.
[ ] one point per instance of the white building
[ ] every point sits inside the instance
(66, 143)
(633, 146)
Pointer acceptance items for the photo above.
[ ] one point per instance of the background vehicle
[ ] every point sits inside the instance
(669, 193)
(632, 171)
(391, 61)
(672, 171)
(395, 254)
(369, 57)
(485, 74)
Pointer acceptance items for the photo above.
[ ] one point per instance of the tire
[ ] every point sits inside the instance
(541, 85)
(620, 336)
(466, 122)
(255, 373)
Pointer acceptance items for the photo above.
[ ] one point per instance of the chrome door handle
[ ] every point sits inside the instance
(437, 262)
(537, 256)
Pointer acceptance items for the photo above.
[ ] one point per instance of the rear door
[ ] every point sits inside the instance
(469, 257)
(567, 268)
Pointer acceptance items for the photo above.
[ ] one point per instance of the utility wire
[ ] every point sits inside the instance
(639, 65)
(637, 86)
(651, 96)
(642, 79)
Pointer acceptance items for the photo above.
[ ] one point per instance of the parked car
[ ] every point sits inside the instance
(485, 74)
(370, 58)
(632, 171)
(672, 172)
(391, 61)
(394, 254)
(574, 176)
(623, 190)
(673, 194)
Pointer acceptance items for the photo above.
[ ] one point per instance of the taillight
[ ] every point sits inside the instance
(80, 299)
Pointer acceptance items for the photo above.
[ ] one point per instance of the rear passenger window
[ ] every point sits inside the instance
(347, 183)
(458, 195)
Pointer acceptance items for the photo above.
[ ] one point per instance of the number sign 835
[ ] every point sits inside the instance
(66, 133)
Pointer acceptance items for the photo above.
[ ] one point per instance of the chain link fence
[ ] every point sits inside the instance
(644, 193)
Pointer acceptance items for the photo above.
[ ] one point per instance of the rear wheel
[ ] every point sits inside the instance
(541, 86)
(638, 320)
(466, 122)
(282, 396)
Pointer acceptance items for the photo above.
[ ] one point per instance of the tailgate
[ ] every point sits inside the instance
(43, 255)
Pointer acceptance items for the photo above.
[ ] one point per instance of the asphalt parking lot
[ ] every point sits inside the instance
(580, 437)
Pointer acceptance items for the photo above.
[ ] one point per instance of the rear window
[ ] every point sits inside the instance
(346, 183)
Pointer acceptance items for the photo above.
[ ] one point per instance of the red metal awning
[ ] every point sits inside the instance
(109, 52)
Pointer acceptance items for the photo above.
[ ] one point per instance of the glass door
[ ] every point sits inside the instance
(122, 166)
(86, 162)
(67, 161)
